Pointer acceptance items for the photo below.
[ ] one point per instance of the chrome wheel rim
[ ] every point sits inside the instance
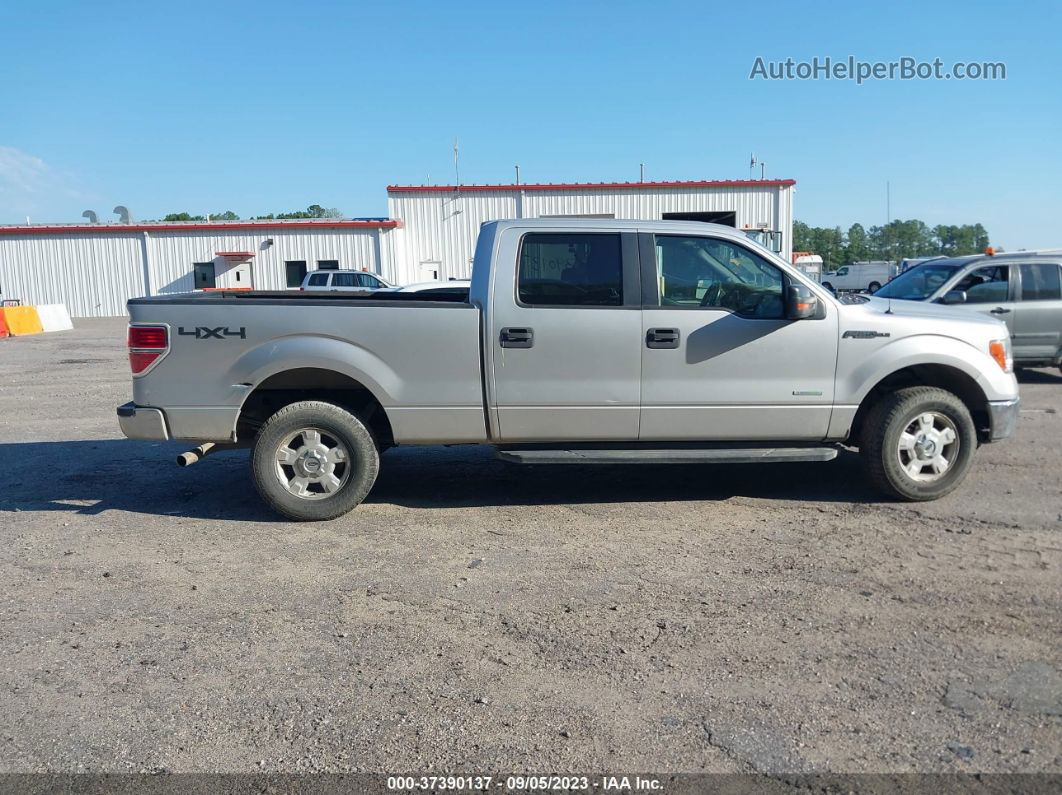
(312, 464)
(928, 447)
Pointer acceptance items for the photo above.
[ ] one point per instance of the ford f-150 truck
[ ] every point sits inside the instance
(579, 341)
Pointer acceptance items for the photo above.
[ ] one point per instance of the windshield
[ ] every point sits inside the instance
(918, 283)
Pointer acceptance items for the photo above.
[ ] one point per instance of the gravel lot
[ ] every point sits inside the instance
(478, 617)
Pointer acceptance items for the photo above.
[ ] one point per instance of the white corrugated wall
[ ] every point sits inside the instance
(441, 226)
(93, 277)
(173, 253)
(95, 273)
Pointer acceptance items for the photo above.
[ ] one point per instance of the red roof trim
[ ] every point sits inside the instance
(227, 226)
(716, 183)
(240, 254)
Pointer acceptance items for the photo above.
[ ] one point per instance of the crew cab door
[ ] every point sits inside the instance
(1037, 329)
(565, 336)
(719, 359)
(991, 290)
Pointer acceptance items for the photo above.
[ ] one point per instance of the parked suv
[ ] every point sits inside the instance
(343, 280)
(1023, 289)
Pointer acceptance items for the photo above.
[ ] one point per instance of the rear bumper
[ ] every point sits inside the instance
(142, 422)
(1003, 418)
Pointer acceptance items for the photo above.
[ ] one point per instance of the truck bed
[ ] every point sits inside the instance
(341, 297)
(419, 357)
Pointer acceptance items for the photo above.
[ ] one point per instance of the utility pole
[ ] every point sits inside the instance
(888, 204)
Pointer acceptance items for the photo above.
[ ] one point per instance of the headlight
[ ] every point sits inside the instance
(1000, 351)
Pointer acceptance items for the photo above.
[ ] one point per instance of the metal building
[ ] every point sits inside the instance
(95, 268)
(440, 223)
(431, 234)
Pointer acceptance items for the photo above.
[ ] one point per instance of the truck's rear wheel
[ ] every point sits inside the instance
(918, 443)
(874, 287)
(313, 461)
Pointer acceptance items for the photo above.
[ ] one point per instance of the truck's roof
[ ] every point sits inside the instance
(615, 223)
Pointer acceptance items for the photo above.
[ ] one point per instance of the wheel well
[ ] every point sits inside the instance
(939, 375)
(312, 383)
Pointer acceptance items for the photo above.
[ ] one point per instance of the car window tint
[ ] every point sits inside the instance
(344, 280)
(717, 274)
(318, 280)
(570, 270)
(986, 285)
(1040, 282)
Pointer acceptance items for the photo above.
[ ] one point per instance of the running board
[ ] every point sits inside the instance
(717, 455)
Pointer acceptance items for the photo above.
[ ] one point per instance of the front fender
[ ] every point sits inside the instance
(857, 378)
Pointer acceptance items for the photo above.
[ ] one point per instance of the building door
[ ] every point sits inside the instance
(204, 275)
(719, 359)
(294, 273)
(566, 352)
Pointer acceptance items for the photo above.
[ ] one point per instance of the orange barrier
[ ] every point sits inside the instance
(3, 326)
(22, 320)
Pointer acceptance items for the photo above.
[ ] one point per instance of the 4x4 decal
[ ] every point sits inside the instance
(207, 333)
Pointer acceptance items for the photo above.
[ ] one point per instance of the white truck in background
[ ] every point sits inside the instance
(859, 276)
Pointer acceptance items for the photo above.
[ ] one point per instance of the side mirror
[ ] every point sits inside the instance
(800, 303)
(955, 297)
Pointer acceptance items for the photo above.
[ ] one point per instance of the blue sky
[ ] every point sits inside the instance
(269, 106)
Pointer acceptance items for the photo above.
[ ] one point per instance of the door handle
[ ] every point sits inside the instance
(517, 337)
(999, 311)
(662, 338)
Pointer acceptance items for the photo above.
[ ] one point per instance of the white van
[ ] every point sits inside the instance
(859, 276)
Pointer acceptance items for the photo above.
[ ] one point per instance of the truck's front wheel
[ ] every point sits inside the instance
(313, 461)
(918, 443)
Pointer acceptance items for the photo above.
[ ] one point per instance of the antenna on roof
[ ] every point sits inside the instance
(517, 173)
(641, 172)
(457, 169)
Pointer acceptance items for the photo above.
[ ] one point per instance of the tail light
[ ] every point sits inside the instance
(147, 344)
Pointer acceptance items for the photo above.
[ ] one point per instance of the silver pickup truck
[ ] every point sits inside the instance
(579, 341)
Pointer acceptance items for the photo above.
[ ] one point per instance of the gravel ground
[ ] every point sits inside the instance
(474, 616)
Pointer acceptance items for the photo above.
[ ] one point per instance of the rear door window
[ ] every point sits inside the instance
(558, 269)
(1040, 282)
(344, 280)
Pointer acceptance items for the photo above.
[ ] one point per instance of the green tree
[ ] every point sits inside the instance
(313, 211)
(857, 246)
(228, 215)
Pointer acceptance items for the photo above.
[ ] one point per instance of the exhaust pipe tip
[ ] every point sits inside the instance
(192, 456)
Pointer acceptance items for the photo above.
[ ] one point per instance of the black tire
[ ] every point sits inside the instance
(335, 425)
(887, 421)
(874, 287)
